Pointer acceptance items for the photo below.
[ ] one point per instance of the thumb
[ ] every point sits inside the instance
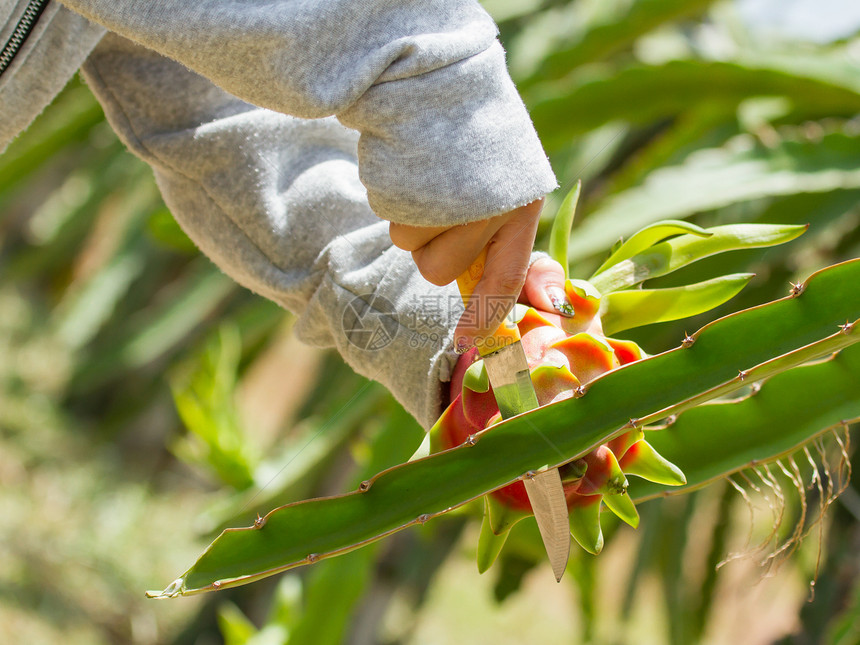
(544, 287)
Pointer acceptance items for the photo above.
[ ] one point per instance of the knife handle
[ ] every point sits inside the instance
(507, 333)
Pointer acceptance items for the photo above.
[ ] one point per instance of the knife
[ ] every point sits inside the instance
(508, 369)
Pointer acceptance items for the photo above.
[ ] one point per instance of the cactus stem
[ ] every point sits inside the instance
(796, 289)
(364, 486)
(260, 522)
(815, 350)
(688, 341)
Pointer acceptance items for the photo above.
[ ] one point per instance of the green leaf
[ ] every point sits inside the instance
(334, 589)
(680, 251)
(235, 627)
(286, 603)
(490, 543)
(203, 395)
(501, 516)
(584, 289)
(845, 626)
(742, 170)
(502, 10)
(585, 526)
(196, 296)
(331, 595)
(652, 92)
(605, 39)
(560, 233)
(476, 377)
(623, 507)
(645, 462)
(761, 341)
(638, 307)
(65, 125)
(648, 237)
(163, 228)
(284, 475)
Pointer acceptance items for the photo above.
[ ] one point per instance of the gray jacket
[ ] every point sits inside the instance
(280, 132)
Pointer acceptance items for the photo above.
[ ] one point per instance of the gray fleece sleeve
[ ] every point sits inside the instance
(59, 43)
(444, 138)
(276, 202)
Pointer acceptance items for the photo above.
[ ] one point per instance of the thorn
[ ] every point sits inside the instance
(632, 423)
(313, 557)
(423, 518)
(688, 341)
(216, 584)
(796, 289)
(579, 392)
(742, 374)
(364, 486)
(260, 522)
(530, 474)
(755, 388)
(847, 328)
(471, 440)
(670, 420)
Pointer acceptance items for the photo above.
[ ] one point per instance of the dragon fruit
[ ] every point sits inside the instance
(565, 353)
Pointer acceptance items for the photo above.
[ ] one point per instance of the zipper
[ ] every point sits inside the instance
(22, 31)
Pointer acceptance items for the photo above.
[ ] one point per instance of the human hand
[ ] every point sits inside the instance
(544, 288)
(443, 253)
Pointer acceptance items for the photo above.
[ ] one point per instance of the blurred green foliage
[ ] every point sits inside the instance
(144, 403)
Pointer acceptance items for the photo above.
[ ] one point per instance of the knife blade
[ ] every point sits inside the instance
(508, 370)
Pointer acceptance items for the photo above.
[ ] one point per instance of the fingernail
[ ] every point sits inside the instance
(559, 301)
(462, 345)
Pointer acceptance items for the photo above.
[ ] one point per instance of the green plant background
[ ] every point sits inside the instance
(146, 401)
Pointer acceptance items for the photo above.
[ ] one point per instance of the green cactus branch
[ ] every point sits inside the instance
(714, 440)
(723, 357)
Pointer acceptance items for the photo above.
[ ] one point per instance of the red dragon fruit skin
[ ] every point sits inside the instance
(563, 353)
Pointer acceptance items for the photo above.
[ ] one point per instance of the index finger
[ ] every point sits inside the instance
(508, 255)
(410, 238)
